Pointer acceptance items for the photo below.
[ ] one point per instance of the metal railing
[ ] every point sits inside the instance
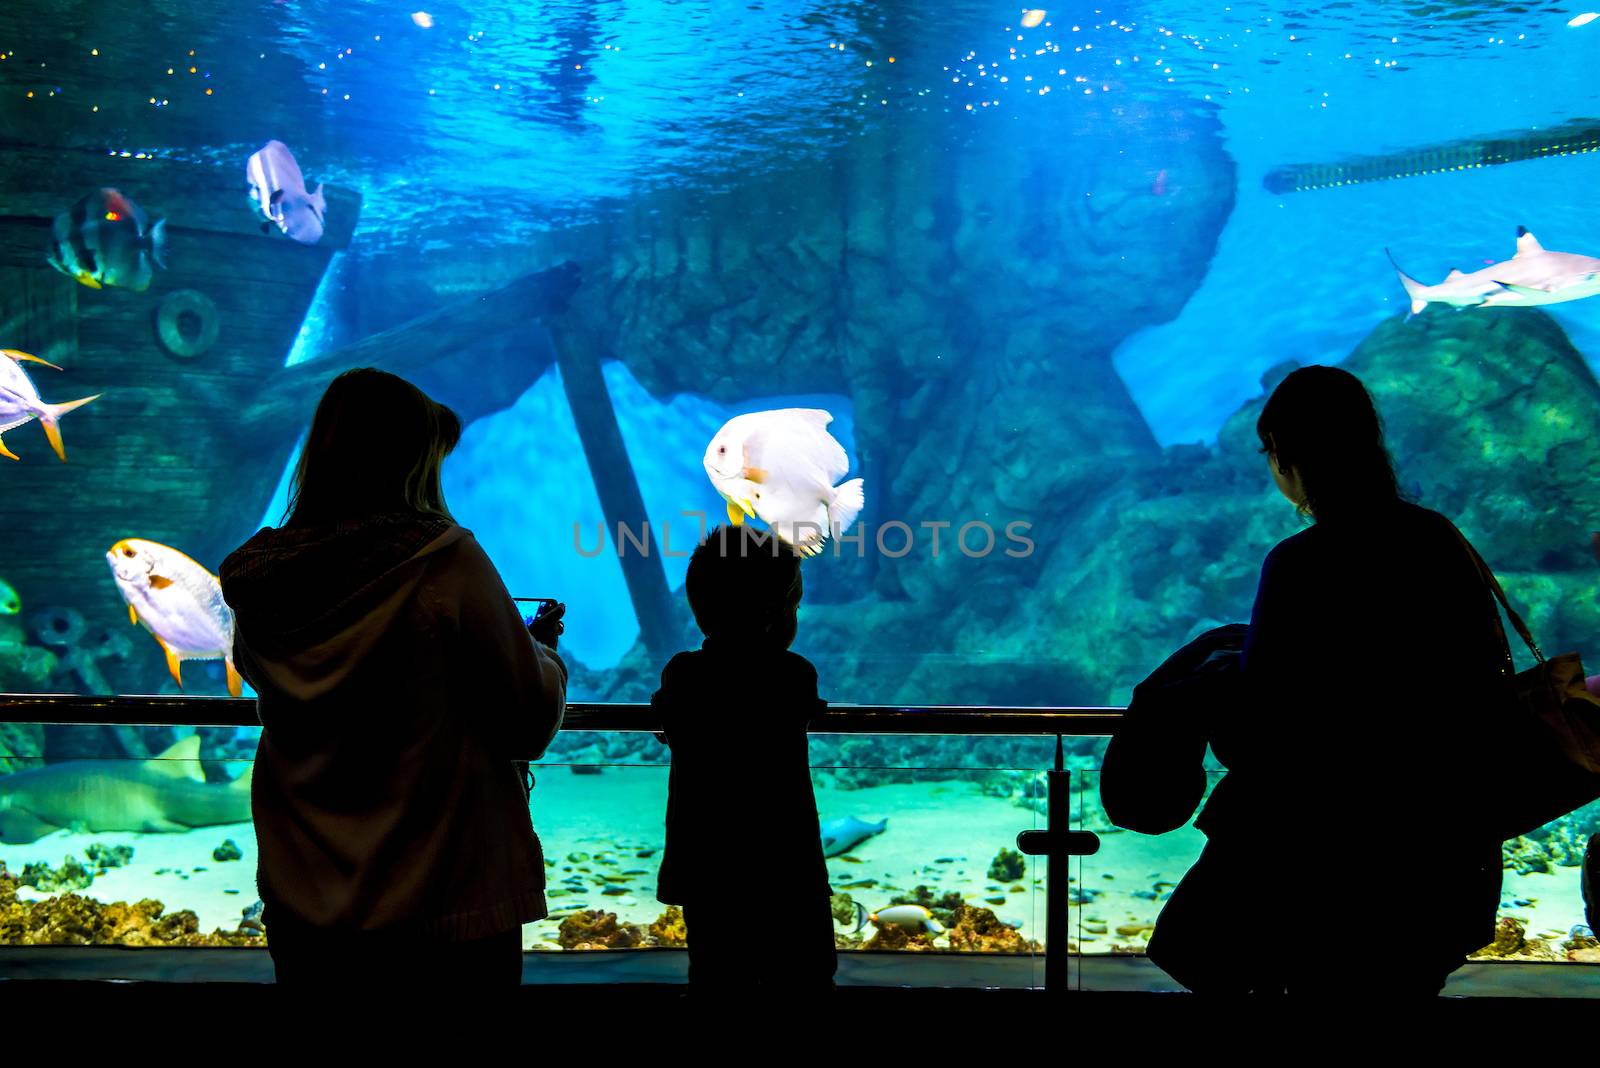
(1056, 841)
(165, 711)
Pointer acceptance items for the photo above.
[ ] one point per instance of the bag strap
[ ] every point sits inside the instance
(1500, 595)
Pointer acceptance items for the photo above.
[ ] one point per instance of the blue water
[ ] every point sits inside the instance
(503, 121)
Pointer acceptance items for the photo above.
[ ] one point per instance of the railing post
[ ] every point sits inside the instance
(1059, 843)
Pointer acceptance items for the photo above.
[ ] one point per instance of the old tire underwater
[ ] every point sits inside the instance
(187, 323)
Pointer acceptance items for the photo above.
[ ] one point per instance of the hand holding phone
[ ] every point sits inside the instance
(546, 624)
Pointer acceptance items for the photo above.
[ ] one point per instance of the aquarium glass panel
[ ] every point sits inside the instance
(976, 304)
(150, 847)
(1037, 266)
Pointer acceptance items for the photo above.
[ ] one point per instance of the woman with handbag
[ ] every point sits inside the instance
(1356, 805)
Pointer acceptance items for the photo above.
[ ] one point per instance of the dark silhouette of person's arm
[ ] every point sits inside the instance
(520, 685)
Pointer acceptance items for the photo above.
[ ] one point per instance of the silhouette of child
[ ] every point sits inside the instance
(743, 852)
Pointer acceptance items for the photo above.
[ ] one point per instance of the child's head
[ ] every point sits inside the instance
(744, 586)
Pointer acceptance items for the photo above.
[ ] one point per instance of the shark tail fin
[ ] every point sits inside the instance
(242, 783)
(1414, 289)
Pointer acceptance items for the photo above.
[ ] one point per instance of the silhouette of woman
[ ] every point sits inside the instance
(397, 686)
(1359, 754)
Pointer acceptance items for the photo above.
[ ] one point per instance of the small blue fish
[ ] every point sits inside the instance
(842, 835)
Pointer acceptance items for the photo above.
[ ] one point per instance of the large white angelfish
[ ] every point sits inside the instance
(1533, 276)
(781, 466)
(178, 601)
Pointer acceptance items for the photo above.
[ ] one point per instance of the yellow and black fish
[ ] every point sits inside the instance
(104, 240)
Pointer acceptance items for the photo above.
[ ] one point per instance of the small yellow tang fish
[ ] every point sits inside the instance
(20, 403)
(781, 466)
(177, 601)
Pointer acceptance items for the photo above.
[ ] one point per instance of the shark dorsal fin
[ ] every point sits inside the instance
(1455, 272)
(180, 760)
(1527, 244)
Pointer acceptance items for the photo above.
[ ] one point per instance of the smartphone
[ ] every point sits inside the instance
(545, 605)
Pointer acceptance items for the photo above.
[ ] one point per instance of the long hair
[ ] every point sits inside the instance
(1322, 421)
(376, 445)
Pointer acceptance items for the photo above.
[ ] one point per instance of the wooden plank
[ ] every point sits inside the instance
(39, 313)
(43, 182)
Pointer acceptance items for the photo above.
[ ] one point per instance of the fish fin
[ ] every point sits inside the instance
(817, 417)
(754, 474)
(235, 680)
(180, 760)
(1527, 244)
(158, 243)
(735, 514)
(28, 357)
(845, 504)
(277, 197)
(242, 783)
(319, 200)
(1455, 272)
(159, 582)
(85, 278)
(133, 616)
(156, 825)
(861, 915)
(1414, 289)
(9, 455)
(111, 200)
(1524, 291)
(172, 662)
(49, 418)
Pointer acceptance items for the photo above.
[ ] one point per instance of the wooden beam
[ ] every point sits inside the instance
(618, 487)
(438, 335)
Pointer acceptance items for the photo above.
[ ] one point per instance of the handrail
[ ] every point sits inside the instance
(163, 711)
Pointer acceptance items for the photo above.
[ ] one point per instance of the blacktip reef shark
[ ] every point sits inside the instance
(167, 793)
(1533, 276)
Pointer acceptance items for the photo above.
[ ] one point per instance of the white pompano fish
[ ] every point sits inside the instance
(781, 466)
(1533, 276)
(20, 403)
(910, 917)
(278, 185)
(178, 601)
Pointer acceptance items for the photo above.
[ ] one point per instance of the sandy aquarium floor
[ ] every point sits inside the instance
(175, 869)
(603, 832)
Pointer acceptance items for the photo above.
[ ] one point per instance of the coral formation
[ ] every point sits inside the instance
(71, 919)
(104, 857)
(978, 930)
(894, 937)
(597, 929)
(1008, 866)
(1511, 940)
(72, 875)
(668, 928)
(228, 850)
